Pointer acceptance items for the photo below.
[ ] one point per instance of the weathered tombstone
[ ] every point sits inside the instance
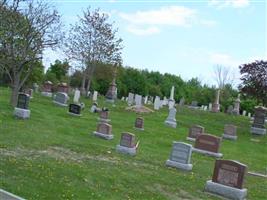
(4, 195)
(76, 98)
(171, 104)
(258, 126)
(29, 92)
(47, 89)
(216, 104)
(236, 109)
(103, 116)
(111, 95)
(35, 87)
(127, 144)
(244, 112)
(180, 156)
(61, 99)
(139, 123)
(75, 109)
(229, 132)
(104, 130)
(138, 100)
(194, 104)
(172, 94)
(181, 103)
(249, 115)
(157, 103)
(146, 99)
(208, 145)
(205, 108)
(95, 96)
(230, 110)
(227, 180)
(123, 98)
(22, 108)
(171, 119)
(130, 98)
(63, 87)
(195, 131)
(210, 106)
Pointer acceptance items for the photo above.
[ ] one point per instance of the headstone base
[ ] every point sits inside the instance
(209, 153)
(104, 120)
(171, 123)
(187, 167)
(225, 191)
(229, 137)
(60, 104)
(126, 150)
(258, 131)
(110, 100)
(22, 113)
(76, 115)
(105, 136)
(4, 195)
(191, 139)
(47, 94)
(139, 129)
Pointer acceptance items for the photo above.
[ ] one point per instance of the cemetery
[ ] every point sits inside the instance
(92, 108)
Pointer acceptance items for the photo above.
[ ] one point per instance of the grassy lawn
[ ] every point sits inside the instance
(54, 155)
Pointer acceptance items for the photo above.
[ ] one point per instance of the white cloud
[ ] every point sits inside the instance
(171, 15)
(229, 3)
(223, 59)
(143, 31)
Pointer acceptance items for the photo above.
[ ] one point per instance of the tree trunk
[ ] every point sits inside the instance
(88, 84)
(83, 85)
(15, 91)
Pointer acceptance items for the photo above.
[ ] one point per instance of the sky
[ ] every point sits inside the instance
(185, 38)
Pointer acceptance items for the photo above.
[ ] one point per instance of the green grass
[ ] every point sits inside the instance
(54, 155)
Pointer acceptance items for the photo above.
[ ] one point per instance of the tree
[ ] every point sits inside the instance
(222, 75)
(254, 80)
(60, 69)
(91, 41)
(27, 27)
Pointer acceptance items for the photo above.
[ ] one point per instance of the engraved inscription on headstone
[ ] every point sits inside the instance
(181, 152)
(195, 130)
(128, 140)
(208, 143)
(139, 123)
(75, 109)
(23, 101)
(104, 128)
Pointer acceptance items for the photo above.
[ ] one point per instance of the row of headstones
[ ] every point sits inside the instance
(128, 143)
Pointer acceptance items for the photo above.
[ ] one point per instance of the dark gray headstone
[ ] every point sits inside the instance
(23, 101)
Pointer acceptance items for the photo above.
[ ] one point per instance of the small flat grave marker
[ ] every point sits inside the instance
(139, 123)
(104, 130)
(22, 109)
(194, 131)
(75, 109)
(229, 132)
(61, 99)
(127, 144)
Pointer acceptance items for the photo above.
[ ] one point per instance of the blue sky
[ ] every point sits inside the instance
(185, 38)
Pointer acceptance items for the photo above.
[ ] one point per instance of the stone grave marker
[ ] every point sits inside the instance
(171, 119)
(103, 116)
(95, 96)
(130, 98)
(258, 126)
(230, 110)
(180, 156)
(138, 100)
(208, 145)
(195, 131)
(216, 104)
(104, 130)
(127, 144)
(229, 132)
(139, 123)
(210, 106)
(157, 103)
(194, 104)
(244, 112)
(76, 98)
(75, 109)
(22, 109)
(236, 108)
(4, 195)
(63, 87)
(227, 180)
(61, 99)
(146, 99)
(181, 102)
(47, 89)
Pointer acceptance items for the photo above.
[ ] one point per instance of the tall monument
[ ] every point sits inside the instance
(111, 95)
(216, 104)
(236, 109)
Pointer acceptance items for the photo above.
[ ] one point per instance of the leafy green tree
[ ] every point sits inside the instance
(59, 69)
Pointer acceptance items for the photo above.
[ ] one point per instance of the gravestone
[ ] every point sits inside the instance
(29, 92)
(127, 144)
(181, 103)
(236, 108)
(249, 115)
(130, 99)
(75, 109)
(103, 116)
(35, 87)
(208, 145)
(63, 87)
(47, 89)
(195, 131)
(216, 104)
(157, 103)
(194, 104)
(104, 130)
(180, 156)
(123, 98)
(258, 126)
(205, 108)
(171, 104)
(172, 94)
(76, 98)
(138, 100)
(171, 119)
(227, 180)
(22, 109)
(61, 99)
(4, 195)
(139, 123)
(111, 95)
(230, 110)
(146, 99)
(95, 96)
(210, 106)
(244, 112)
(229, 132)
